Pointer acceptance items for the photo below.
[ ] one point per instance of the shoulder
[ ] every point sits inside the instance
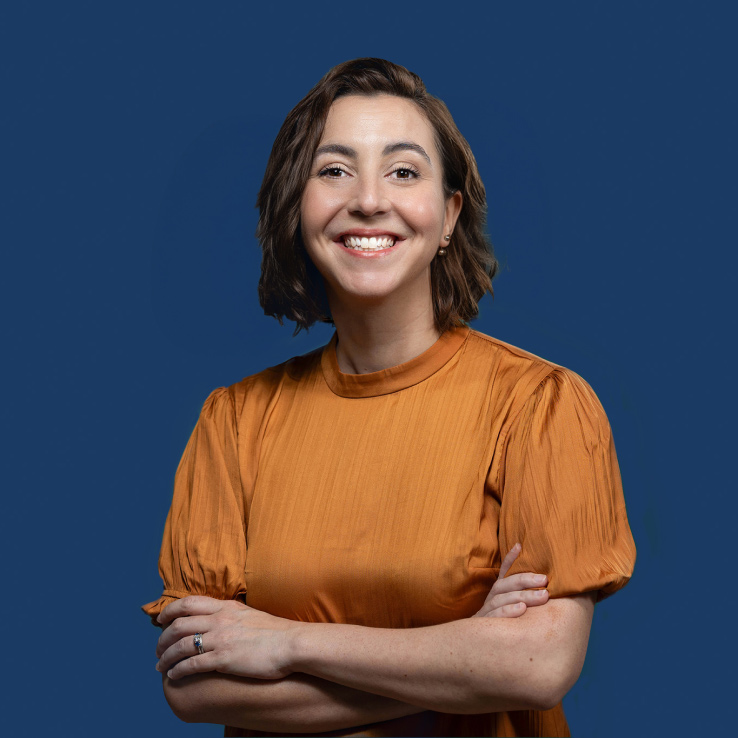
(507, 356)
(532, 383)
(511, 374)
(254, 394)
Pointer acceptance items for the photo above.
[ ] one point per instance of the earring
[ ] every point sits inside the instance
(442, 251)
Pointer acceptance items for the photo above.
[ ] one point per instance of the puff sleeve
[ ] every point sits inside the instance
(203, 551)
(561, 492)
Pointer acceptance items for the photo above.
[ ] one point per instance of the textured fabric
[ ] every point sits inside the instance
(388, 499)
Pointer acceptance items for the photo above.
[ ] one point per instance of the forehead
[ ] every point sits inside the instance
(377, 119)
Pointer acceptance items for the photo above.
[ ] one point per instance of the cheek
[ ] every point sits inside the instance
(425, 215)
(317, 209)
(307, 212)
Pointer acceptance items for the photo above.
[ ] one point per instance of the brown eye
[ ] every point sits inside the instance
(405, 173)
(332, 172)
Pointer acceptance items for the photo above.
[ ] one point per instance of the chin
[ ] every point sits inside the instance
(367, 290)
(370, 294)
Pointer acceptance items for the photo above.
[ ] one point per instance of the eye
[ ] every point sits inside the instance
(333, 171)
(405, 172)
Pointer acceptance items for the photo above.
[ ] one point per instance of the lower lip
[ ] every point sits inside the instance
(378, 254)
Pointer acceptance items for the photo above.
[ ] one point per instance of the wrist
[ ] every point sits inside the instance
(295, 647)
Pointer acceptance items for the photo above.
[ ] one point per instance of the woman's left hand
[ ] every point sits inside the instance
(236, 639)
(510, 597)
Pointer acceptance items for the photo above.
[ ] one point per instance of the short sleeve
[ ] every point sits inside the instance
(561, 492)
(203, 551)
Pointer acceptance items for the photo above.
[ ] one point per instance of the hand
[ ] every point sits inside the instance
(511, 597)
(237, 639)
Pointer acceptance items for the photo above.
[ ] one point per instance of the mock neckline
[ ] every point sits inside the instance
(394, 378)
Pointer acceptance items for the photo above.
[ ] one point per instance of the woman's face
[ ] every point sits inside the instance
(377, 174)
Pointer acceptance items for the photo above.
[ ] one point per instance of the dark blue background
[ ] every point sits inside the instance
(134, 138)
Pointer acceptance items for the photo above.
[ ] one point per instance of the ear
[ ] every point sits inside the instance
(453, 208)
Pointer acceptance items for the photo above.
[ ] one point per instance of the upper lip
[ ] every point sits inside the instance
(368, 233)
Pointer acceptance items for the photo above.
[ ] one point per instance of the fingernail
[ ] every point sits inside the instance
(157, 666)
(540, 593)
(540, 577)
(169, 673)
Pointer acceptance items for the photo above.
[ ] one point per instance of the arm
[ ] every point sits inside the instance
(299, 703)
(467, 666)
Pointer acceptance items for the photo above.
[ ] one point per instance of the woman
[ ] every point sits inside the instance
(338, 520)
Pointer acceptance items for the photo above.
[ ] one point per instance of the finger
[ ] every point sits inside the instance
(490, 606)
(512, 554)
(183, 650)
(181, 628)
(187, 606)
(195, 665)
(517, 582)
(508, 611)
(531, 598)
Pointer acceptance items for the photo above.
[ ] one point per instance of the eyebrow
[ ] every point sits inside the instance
(406, 146)
(389, 149)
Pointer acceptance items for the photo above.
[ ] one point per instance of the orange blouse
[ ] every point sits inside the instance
(388, 499)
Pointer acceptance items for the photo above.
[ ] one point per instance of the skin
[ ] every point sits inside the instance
(268, 653)
(377, 168)
(303, 702)
(381, 307)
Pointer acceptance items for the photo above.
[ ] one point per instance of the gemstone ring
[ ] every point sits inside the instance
(198, 642)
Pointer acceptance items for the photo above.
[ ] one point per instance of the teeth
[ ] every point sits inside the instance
(368, 244)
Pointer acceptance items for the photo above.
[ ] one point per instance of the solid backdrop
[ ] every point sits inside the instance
(134, 139)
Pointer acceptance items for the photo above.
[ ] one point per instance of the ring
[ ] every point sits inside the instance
(198, 642)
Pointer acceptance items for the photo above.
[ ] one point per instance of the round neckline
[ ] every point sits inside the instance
(394, 378)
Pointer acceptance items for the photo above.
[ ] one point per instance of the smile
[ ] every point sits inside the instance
(375, 243)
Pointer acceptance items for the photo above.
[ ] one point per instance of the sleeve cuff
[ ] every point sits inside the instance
(152, 609)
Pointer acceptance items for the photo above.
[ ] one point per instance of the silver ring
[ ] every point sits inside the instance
(198, 643)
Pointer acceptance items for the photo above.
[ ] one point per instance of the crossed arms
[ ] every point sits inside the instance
(352, 675)
(519, 651)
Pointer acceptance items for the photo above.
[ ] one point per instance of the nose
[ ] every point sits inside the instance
(368, 197)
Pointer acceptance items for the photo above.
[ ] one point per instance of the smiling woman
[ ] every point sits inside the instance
(404, 532)
(374, 214)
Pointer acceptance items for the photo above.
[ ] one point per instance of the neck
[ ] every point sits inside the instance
(381, 335)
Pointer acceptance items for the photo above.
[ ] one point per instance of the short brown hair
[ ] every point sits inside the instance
(290, 286)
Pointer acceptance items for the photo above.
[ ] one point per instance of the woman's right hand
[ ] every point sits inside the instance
(511, 597)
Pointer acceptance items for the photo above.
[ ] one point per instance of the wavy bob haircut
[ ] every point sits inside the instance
(290, 286)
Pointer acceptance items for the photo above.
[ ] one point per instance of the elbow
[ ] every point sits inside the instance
(550, 650)
(537, 679)
(182, 701)
(554, 679)
(545, 697)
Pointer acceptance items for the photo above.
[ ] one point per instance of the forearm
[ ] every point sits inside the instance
(299, 703)
(467, 666)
